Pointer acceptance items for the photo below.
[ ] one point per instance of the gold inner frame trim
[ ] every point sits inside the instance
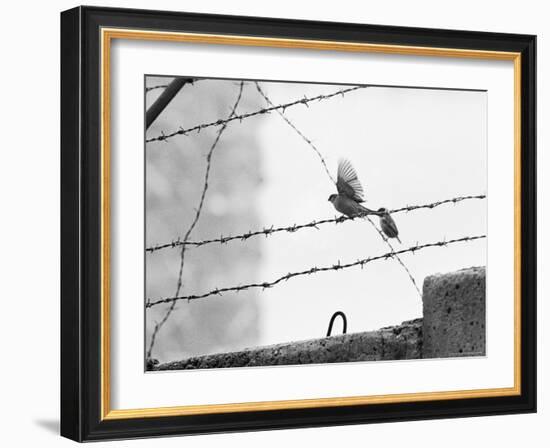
(107, 35)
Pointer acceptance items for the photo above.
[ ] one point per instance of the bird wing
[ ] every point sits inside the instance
(347, 182)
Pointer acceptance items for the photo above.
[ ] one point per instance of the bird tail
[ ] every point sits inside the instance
(367, 211)
(398, 239)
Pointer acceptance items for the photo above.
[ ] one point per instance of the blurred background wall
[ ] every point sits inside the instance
(175, 173)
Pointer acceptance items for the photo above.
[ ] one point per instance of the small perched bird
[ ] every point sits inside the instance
(350, 192)
(388, 224)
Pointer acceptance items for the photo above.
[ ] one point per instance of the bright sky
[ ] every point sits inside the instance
(409, 146)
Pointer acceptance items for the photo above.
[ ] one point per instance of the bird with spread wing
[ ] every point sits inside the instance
(350, 192)
(350, 195)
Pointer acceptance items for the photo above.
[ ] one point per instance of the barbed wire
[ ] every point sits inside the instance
(314, 270)
(295, 227)
(164, 86)
(418, 207)
(403, 265)
(222, 124)
(305, 101)
(410, 208)
(307, 140)
(198, 211)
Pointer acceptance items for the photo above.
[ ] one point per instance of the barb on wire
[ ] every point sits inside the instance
(282, 107)
(314, 270)
(294, 228)
(198, 211)
(307, 140)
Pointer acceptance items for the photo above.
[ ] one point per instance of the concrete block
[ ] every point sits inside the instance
(400, 342)
(454, 314)
(453, 325)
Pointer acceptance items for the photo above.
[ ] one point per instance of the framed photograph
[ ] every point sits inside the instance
(272, 223)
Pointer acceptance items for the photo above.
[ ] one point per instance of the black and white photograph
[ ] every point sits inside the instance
(274, 221)
(292, 223)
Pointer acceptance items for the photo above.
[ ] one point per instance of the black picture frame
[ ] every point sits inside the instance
(81, 224)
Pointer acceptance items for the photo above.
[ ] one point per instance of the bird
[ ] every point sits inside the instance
(388, 224)
(350, 192)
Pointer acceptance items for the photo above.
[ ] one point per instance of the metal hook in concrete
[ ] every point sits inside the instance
(333, 318)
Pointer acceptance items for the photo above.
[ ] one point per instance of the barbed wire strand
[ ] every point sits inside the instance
(314, 270)
(418, 207)
(295, 227)
(308, 141)
(410, 208)
(163, 86)
(198, 211)
(221, 122)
